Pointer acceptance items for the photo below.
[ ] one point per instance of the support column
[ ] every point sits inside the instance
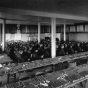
(53, 37)
(3, 34)
(64, 32)
(39, 32)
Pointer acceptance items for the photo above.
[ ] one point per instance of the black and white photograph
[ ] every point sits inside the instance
(43, 43)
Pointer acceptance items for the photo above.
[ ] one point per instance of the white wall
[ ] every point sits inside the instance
(26, 37)
(83, 37)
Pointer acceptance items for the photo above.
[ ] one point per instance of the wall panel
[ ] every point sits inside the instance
(86, 28)
(80, 28)
(83, 37)
(12, 36)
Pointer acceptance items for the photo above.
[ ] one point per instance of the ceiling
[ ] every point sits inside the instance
(66, 7)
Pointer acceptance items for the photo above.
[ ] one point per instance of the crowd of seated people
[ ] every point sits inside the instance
(65, 48)
(24, 51)
(32, 50)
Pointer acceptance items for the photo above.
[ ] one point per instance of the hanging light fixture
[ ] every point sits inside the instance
(18, 26)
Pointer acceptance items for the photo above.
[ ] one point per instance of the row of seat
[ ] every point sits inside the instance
(32, 50)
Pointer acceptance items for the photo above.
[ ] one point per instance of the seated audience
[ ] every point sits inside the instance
(20, 51)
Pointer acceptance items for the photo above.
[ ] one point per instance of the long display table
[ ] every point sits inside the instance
(21, 67)
(59, 79)
(46, 62)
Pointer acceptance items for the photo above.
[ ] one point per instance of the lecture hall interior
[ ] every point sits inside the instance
(43, 43)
